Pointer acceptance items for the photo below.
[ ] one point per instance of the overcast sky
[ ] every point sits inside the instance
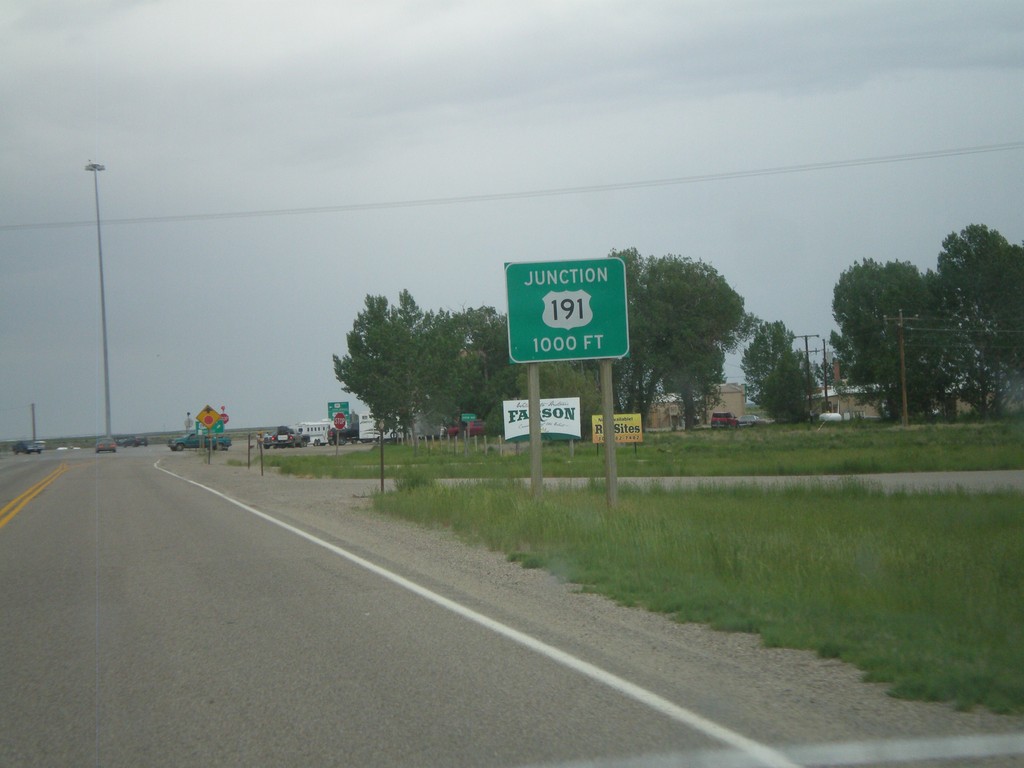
(269, 164)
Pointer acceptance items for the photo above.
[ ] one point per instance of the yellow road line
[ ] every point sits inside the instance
(13, 507)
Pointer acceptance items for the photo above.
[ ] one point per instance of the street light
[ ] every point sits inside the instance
(95, 168)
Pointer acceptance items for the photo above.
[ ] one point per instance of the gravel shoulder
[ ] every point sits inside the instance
(777, 696)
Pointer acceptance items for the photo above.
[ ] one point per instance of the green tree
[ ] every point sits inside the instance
(386, 353)
(474, 375)
(415, 368)
(774, 372)
(979, 285)
(683, 318)
(866, 303)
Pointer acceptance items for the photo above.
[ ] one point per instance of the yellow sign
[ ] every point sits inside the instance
(208, 417)
(628, 428)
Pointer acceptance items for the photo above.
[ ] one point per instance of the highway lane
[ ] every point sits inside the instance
(149, 622)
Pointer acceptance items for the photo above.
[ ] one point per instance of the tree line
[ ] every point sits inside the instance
(945, 338)
(961, 327)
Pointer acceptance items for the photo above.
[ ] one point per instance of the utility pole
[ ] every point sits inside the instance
(807, 356)
(824, 374)
(905, 419)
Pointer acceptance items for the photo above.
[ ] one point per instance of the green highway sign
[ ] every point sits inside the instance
(567, 310)
(216, 429)
(337, 407)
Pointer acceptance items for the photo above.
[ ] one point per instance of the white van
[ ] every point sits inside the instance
(313, 432)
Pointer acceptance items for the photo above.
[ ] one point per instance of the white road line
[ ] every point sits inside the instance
(838, 755)
(912, 750)
(762, 754)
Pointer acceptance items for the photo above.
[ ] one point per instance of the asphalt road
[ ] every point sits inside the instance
(148, 621)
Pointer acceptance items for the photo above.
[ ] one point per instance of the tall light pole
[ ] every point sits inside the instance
(96, 168)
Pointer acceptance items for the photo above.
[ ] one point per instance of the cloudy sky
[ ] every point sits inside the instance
(269, 164)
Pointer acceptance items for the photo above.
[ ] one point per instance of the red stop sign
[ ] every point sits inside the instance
(224, 418)
(339, 420)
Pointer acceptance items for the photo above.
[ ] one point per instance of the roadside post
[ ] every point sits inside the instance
(562, 311)
(207, 423)
(338, 413)
(467, 419)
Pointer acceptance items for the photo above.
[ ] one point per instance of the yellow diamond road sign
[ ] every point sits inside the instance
(208, 417)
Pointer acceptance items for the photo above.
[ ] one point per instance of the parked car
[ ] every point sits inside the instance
(749, 420)
(27, 446)
(722, 419)
(473, 428)
(107, 444)
(195, 441)
(285, 437)
(349, 434)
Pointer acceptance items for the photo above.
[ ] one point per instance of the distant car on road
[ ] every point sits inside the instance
(195, 441)
(106, 444)
(350, 434)
(285, 437)
(27, 446)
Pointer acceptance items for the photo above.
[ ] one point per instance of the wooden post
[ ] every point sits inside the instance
(905, 414)
(608, 417)
(536, 467)
(380, 437)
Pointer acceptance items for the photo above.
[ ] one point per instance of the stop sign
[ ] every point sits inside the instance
(339, 420)
(224, 418)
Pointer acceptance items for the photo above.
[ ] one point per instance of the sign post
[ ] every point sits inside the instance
(334, 411)
(208, 421)
(567, 310)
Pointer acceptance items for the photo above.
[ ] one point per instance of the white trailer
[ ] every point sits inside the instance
(313, 432)
(368, 431)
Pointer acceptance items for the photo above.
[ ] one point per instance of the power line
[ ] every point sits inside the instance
(968, 331)
(537, 193)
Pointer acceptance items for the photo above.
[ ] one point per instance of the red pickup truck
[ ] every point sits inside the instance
(473, 428)
(723, 419)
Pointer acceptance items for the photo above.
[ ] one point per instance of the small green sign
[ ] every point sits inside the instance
(335, 408)
(468, 417)
(567, 310)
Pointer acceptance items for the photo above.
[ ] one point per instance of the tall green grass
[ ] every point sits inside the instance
(845, 448)
(922, 591)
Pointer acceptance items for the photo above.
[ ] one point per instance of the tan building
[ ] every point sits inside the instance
(667, 414)
(846, 402)
(731, 397)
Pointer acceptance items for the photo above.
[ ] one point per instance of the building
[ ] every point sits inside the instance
(667, 414)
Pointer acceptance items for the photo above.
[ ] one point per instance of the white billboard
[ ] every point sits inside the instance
(559, 419)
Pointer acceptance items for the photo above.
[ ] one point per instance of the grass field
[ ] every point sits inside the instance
(920, 590)
(848, 448)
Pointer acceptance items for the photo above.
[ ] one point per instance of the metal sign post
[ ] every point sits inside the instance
(568, 310)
